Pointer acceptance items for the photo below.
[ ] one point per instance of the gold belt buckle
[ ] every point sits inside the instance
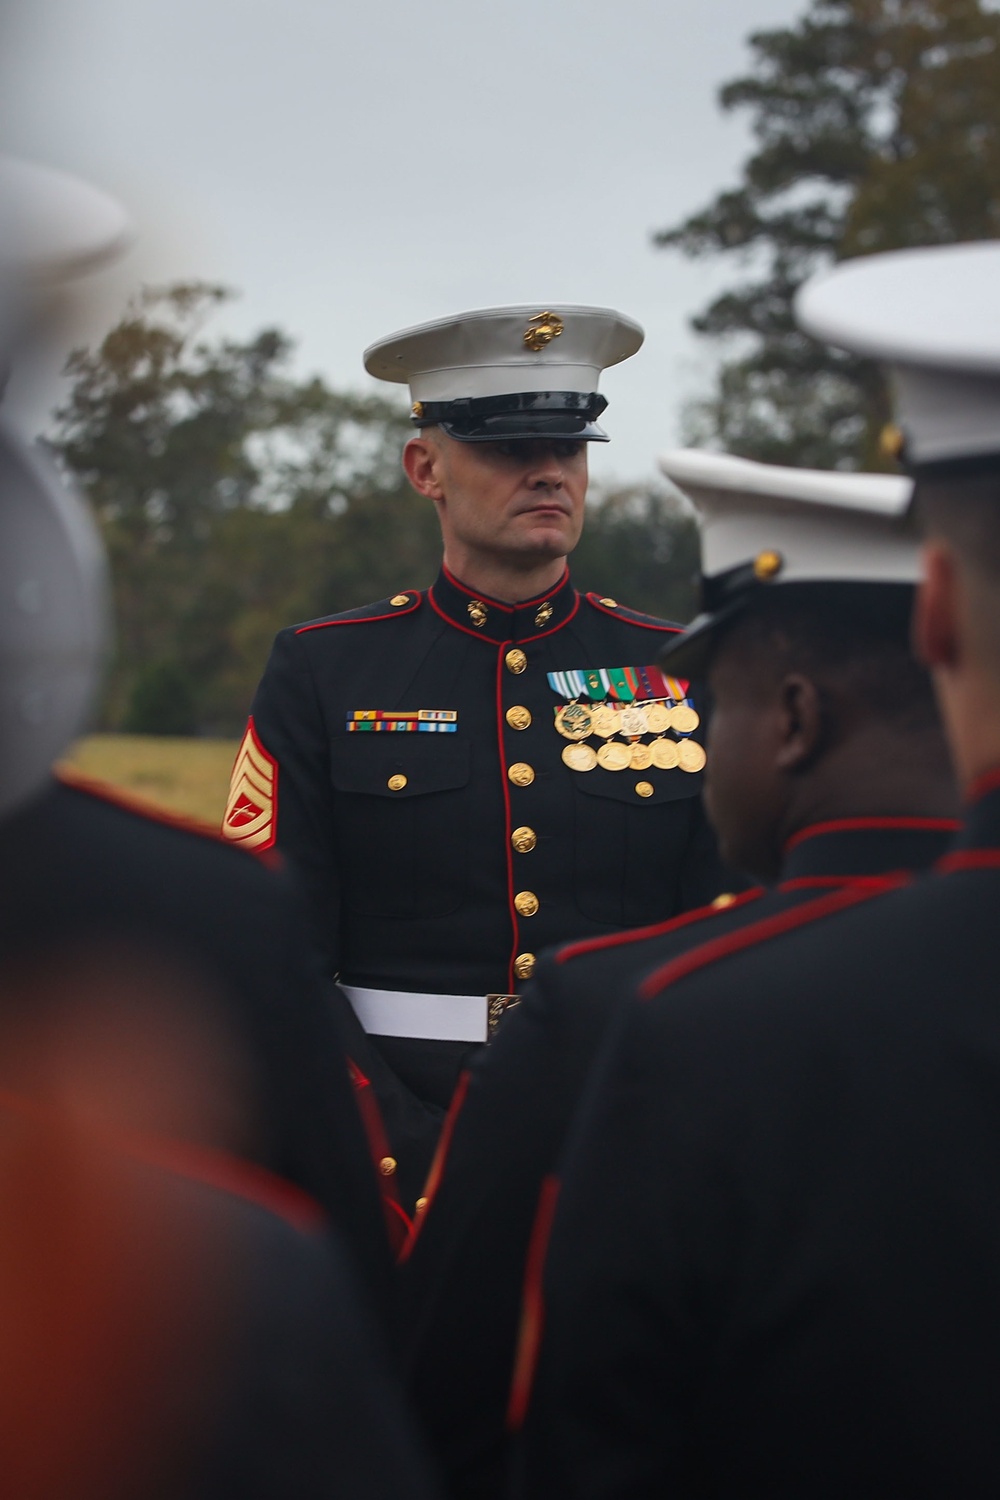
(496, 1006)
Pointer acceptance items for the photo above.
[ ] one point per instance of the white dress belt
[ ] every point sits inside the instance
(439, 1018)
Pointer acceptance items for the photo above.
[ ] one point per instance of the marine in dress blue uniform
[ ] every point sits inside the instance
(432, 763)
(792, 1289)
(837, 564)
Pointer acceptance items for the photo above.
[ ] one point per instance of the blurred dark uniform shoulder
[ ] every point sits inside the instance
(176, 919)
(841, 1077)
(405, 758)
(515, 1115)
(196, 1334)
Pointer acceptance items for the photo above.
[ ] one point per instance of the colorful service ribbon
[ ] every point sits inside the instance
(620, 684)
(417, 721)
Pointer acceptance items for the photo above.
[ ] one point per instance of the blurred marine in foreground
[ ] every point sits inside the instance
(795, 1142)
(176, 1320)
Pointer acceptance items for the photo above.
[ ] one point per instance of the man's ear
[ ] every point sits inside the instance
(934, 630)
(421, 465)
(801, 727)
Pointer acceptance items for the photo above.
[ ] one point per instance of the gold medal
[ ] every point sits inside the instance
(691, 757)
(574, 721)
(604, 721)
(657, 717)
(642, 757)
(632, 720)
(614, 756)
(579, 757)
(684, 719)
(665, 753)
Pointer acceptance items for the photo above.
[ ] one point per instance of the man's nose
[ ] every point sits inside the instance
(547, 472)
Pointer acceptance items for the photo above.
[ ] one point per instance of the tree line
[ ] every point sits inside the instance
(235, 498)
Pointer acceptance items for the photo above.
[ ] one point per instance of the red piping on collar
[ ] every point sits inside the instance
(968, 859)
(499, 603)
(760, 932)
(657, 929)
(981, 786)
(858, 825)
(478, 635)
(366, 619)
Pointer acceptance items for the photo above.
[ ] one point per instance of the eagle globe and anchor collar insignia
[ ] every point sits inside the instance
(626, 713)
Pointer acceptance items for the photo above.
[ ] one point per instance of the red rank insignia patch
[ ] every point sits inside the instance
(250, 817)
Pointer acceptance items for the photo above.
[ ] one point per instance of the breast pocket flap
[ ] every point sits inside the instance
(632, 787)
(412, 768)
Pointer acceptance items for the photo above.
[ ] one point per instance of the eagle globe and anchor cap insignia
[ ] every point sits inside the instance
(253, 794)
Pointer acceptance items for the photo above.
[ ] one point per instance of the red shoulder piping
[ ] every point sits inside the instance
(657, 929)
(761, 932)
(106, 791)
(968, 859)
(396, 614)
(204, 1164)
(858, 825)
(532, 1306)
(595, 600)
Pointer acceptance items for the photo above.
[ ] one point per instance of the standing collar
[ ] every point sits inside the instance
(495, 622)
(856, 848)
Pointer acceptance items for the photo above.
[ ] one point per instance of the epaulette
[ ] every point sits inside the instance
(618, 611)
(393, 608)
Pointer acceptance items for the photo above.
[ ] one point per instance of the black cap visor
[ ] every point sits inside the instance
(569, 416)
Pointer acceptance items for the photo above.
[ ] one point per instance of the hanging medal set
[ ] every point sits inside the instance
(626, 713)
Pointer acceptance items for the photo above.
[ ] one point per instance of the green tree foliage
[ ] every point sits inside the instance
(235, 500)
(877, 125)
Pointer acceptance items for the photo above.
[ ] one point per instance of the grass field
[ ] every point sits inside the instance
(180, 775)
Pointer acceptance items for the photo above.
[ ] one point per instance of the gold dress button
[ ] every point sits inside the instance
(524, 840)
(610, 603)
(721, 902)
(524, 965)
(515, 661)
(526, 903)
(420, 1205)
(644, 788)
(387, 1166)
(518, 717)
(396, 783)
(398, 600)
(520, 773)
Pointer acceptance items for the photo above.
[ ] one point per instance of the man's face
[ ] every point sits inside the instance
(516, 501)
(745, 792)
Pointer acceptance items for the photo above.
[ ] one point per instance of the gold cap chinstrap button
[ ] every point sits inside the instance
(520, 773)
(524, 965)
(526, 903)
(387, 1166)
(396, 783)
(644, 788)
(524, 839)
(518, 717)
(515, 661)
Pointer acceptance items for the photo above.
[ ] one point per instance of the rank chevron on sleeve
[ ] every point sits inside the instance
(250, 817)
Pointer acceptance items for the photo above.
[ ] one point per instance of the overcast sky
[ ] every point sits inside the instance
(353, 169)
